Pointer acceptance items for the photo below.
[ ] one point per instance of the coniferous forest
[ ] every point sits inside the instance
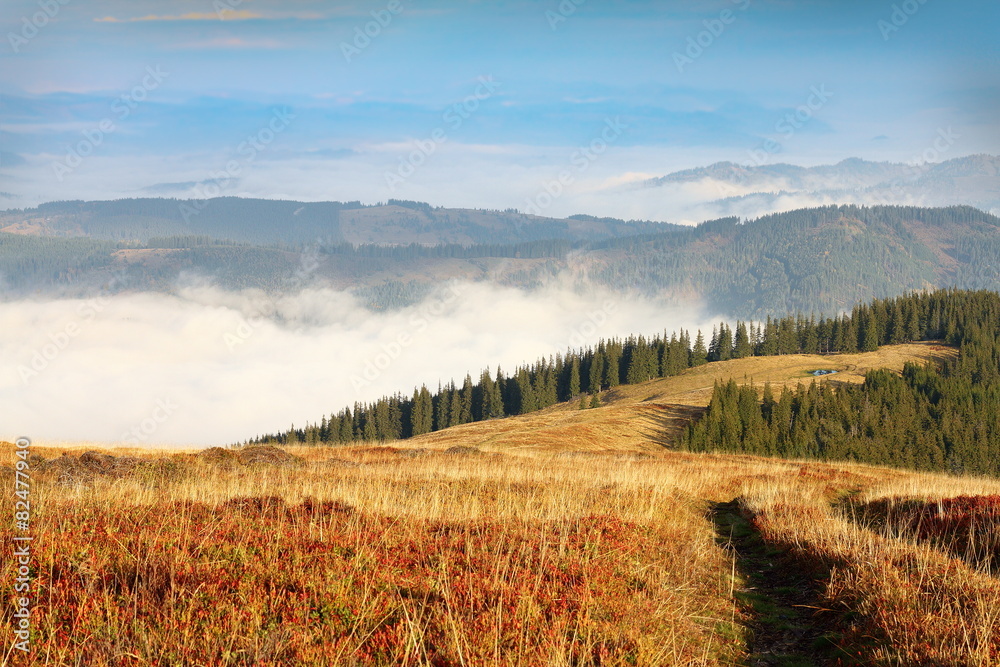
(945, 419)
(930, 418)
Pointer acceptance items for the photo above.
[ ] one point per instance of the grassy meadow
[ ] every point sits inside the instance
(511, 542)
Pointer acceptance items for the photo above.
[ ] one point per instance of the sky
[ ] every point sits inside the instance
(476, 103)
(465, 103)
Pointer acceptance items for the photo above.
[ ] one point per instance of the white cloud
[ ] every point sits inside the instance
(227, 14)
(232, 374)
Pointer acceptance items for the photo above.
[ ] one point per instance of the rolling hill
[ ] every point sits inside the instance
(293, 223)
(648, 417)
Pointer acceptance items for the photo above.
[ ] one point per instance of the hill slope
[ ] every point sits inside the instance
(647, 417)
(626, 554)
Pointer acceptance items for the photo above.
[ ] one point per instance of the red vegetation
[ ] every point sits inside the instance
(258, 581)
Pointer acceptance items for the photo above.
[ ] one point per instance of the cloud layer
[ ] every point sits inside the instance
(210, 367)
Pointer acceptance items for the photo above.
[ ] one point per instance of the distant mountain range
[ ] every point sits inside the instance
(291, 223)
(811, 260)
(754, 190)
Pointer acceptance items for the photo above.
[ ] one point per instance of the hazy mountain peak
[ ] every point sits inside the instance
(753, 190)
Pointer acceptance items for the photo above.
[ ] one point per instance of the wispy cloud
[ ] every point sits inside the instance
(233, 43)
(227, 14)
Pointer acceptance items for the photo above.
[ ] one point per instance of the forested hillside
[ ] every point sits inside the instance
(930, 418)
(819, 260)
(946, 419)
(812, 260)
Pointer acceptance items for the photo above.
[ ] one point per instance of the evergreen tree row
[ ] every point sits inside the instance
(636, 359)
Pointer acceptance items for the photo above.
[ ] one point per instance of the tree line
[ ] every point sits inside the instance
(584, 373)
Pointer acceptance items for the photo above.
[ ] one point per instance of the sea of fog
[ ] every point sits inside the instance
(204, 366)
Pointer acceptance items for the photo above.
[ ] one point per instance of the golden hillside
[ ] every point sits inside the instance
(647, 416)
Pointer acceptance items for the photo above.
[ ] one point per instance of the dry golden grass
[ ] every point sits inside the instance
(52, 448)
(913, 604)
(688, 579)
(679, 612)
(570, 537)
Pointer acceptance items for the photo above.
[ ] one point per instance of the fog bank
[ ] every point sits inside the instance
(207, 366)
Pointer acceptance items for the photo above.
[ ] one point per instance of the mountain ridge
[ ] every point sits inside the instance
(971, 180)
(818, 259)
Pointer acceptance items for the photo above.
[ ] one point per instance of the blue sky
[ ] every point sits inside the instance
(179, 91)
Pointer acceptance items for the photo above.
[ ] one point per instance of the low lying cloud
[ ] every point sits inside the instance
(208, 367)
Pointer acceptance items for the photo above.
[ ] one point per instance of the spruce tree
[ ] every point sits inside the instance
(612, 368)
(725, 342)
(465, 412)
(742, 347)
(699, 354)
(346, 427)
(574, 376)
(526, 393)
(596, 369)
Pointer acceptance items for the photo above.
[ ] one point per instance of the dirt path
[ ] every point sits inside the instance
(788, 622)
